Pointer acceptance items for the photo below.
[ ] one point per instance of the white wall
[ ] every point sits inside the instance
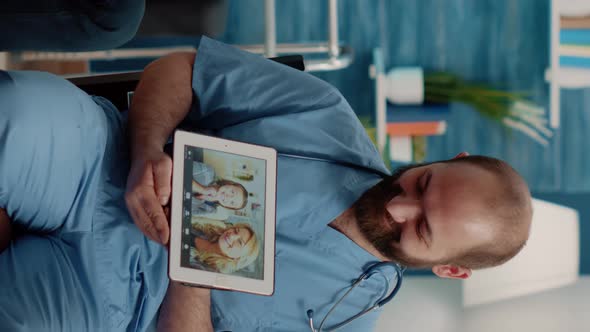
(423, 304)
(429, 304)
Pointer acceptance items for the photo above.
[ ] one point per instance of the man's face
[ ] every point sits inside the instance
(424, 215)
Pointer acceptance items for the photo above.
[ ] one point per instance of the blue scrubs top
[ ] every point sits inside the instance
(247, 98)
(83, 265)
(80, 264)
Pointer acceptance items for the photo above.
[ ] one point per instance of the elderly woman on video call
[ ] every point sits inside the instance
(222, 246)
(208, 194)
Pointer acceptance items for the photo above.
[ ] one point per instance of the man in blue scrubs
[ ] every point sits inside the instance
(78, 262)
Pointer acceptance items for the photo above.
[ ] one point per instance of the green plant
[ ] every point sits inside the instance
(510, 109)
(441, 87)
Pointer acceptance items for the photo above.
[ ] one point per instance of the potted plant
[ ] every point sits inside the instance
(411, 85)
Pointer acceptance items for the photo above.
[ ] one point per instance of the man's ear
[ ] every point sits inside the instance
(461, 155)
(451, 271)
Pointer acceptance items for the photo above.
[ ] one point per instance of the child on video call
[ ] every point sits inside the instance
(209, 194)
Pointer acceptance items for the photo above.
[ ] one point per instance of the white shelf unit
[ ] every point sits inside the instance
(561, 77)
(554, 92)
(555, 238)
(377, 72)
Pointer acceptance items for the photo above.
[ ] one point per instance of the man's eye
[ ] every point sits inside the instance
(425, 232)
(421, 229)
(419, 186)
(422, 183)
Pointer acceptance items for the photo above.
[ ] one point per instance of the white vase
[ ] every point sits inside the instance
(405, 86)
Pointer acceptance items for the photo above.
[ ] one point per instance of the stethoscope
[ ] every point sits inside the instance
(399, 270)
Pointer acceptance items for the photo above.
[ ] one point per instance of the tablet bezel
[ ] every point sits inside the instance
(212, 279)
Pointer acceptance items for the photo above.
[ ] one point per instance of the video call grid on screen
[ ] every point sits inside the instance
(212, 167)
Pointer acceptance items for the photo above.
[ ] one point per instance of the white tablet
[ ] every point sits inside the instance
(223, 214)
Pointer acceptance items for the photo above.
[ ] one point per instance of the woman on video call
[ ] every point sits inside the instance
(222, 246)
(208, 194)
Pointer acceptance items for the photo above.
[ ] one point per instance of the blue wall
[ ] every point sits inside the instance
(504, 42)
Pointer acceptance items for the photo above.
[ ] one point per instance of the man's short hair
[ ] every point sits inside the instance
(511, 209)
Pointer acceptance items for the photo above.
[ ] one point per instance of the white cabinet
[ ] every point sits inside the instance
(550, 259)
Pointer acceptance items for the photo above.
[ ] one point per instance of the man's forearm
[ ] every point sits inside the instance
(185, 309)
(161, 101)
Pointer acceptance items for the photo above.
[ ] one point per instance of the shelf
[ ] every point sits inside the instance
(570, 78)
(554, 93)
(377, 72)
(557, 76)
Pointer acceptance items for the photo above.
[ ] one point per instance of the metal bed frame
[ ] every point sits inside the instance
(337, 56)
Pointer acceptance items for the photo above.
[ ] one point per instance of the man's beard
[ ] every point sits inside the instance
(370, 212)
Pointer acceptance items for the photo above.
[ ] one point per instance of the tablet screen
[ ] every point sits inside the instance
(223, 211)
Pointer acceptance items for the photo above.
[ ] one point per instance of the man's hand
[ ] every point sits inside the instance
(162, 99)
(148, 191)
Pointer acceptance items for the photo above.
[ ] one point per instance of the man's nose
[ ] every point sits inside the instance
(404, 209)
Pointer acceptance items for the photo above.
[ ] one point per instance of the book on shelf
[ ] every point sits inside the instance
(572, 61)
(575, 22)
(426, 128)
(417, 113)
(574, 36)
(575, 50)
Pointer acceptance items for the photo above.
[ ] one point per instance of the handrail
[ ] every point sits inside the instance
(338, 56)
